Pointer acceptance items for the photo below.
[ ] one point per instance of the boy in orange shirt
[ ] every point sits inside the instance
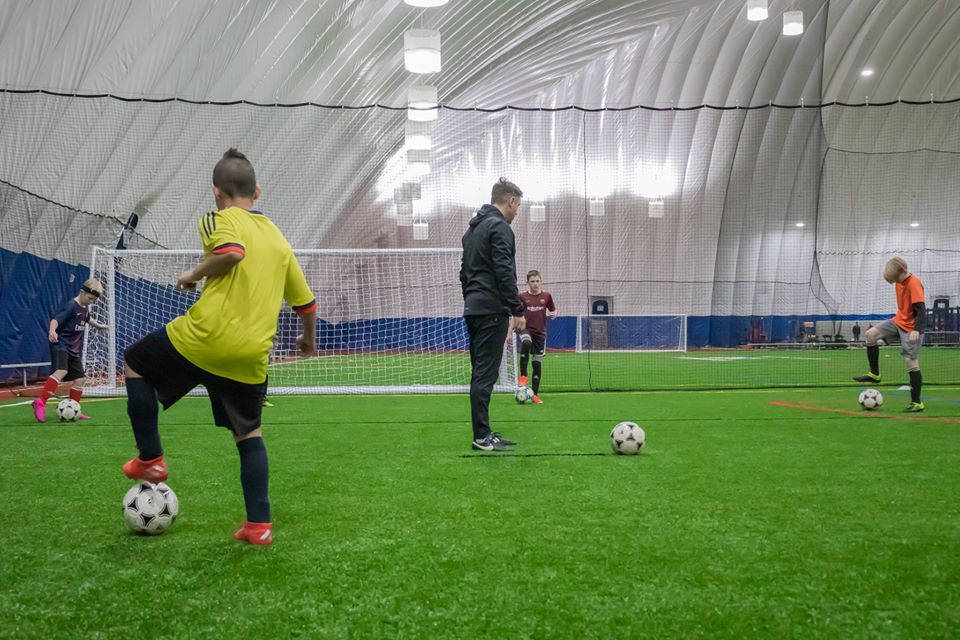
(908, 323)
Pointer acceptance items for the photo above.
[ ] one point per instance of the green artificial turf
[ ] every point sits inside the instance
(602, 371)
(740, 519)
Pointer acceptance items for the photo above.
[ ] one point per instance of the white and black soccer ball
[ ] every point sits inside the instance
(68, 410)
(627, 439)
(146, 510)
(171, 502)
(870, 399)
(523, 395)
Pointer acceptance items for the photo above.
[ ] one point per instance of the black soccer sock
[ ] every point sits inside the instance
(254, 477)
(536, 377)
(916, 380)
(525, 344)
(873, 357)
(142, 409)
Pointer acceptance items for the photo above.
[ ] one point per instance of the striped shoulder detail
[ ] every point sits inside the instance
(208, 223)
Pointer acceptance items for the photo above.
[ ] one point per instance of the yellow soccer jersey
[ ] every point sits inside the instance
(229, 331)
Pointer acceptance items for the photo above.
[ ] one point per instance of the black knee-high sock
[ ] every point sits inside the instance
(873, 357)
(916, 380)
(254, 477)
(524, 355)
(536, 376)
(142, 409)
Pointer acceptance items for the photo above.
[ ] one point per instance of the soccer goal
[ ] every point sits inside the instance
(389, 321)
(631, 333)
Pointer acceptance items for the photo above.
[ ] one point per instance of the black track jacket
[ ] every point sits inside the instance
(488, 270)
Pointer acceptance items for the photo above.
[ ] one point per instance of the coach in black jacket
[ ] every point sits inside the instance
(491, 302)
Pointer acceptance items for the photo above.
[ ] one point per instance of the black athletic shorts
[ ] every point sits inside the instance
(63, 360)
(538, 343)
(236, 405)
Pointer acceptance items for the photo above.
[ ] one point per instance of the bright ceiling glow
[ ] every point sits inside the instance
(800, 224)
(426, 4)
(655, 181)
(914, 224)
(866, 73)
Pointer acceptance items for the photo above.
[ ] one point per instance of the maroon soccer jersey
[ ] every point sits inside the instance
(535, 310)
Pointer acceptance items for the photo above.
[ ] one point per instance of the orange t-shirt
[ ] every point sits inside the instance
(909, 292)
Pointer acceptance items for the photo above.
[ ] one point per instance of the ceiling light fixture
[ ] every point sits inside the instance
(792, 23)
(756, 10)
(421, 50)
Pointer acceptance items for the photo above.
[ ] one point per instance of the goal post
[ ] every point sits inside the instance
(389, 321)
(631, 333)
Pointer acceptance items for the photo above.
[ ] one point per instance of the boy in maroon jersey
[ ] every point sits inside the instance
(538, 304)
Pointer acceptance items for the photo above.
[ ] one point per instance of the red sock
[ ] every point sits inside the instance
(76, 393)
(49, 388)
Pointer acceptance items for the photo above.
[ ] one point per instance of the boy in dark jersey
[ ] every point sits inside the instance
(538, 304)
(66, 347)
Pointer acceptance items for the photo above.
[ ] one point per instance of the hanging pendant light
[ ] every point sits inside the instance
(538, 212)
(597, 207)
(756, 10)
(421, 50)
(792, 23)
(418, 135)
(418, 163)
(422, 103)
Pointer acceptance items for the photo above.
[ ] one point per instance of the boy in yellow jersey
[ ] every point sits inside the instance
(224, 340)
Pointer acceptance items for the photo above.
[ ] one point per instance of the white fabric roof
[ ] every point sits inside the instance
(524, 52)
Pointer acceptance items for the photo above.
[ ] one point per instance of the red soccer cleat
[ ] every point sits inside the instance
(150, 470)
(83, 416)
(40, 410)
(522, 381)
(537, 400)
(258, 533)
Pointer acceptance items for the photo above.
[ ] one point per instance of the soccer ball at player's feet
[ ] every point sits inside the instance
(870, 399)
(627, 439)
(146, 509)
(523, 395)
(68, 410)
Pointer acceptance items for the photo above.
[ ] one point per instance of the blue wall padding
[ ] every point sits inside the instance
(32, 290)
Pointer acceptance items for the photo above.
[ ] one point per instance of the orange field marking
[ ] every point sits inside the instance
(862, 414)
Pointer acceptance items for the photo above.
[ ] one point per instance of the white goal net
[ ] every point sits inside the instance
(388, 321)
(630, 333)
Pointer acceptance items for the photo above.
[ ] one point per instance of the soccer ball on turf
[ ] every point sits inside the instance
(68, 410)
(870, 399)
(146, 510)
(523, 395)
(627, 438)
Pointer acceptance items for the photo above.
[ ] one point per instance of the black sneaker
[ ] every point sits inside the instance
(499, 438)
(488, 444)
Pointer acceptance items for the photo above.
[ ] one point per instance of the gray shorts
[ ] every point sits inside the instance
(889, 329)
